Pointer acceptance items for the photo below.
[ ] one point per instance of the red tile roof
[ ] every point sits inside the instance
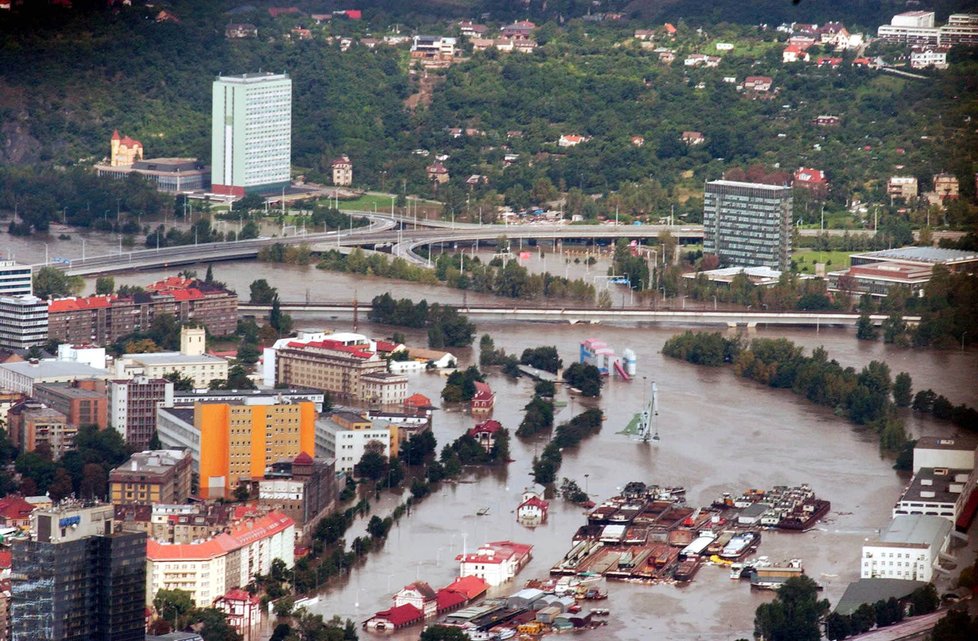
(241, 595)
(449, 599)
(496, 552)
(402, 615)
(417, 400)
(73, 304)
(15, 508)
(491, 426)
(482, 392)
(535, 501)
(470, 586)
(6, 559)
(241, 535)
(335, 346)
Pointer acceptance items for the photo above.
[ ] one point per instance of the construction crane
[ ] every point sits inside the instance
(649, 425)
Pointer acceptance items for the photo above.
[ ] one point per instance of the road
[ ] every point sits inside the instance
(400, 233)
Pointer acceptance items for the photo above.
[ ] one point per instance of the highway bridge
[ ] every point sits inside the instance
(574, 315)
(402, 235)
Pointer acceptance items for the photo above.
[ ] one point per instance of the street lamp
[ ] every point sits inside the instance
(587, 477)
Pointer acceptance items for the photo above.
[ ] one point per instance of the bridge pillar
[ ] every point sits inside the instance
(751, 327)
(731, 325)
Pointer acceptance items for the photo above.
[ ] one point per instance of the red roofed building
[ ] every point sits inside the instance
(124, 150)
(829, 61)
(105, 319)
(395, 618)
(471, 586)
(242, 610)
(15, 512)
(449, 600)
(418, 403)
(533, 510)
(758, 84)
(670, 29)
(328, 365)
(483, 400)
(420, 595)
(485, 433)
(208, 569)
(496, 562)
(813, 180)
(794, 53)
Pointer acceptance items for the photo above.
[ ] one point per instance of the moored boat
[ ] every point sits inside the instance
(740, 544)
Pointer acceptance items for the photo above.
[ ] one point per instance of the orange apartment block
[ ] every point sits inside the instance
(238, 442)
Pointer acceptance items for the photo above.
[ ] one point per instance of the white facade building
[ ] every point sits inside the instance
(908, 549)
(496, 562)
(384, 388)
(22, 376)
(15, 279)
(953, 453)
(23, 321)
(936, 491)
(347, 446)
(208, 569)
(201, 369)
(84, 354)
(251, 133)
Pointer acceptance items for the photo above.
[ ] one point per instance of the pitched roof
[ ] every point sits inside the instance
(482, 391)
(535, 501)
(470, 586)
(491, 426)
(238, 537)
(448, 599)
(15, 508)
(74, 304)
(422, 588)
(401, 615)
(872, 590)
(417, 400)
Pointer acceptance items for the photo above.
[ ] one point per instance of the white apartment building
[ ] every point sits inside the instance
(912, 27)
(23, 321)
(904, 187)
(15, 279)
(345, 437)
(908, 549)
(496, 562)
(936, 491)
(384, 388)
(929, 56)
(22, 376)
(251, 133)
(208, 569)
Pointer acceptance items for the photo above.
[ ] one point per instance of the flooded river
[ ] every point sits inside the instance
(719, 433)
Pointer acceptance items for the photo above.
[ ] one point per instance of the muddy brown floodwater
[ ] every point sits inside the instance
(719, 433)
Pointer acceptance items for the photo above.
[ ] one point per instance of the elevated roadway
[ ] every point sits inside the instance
(573, 315)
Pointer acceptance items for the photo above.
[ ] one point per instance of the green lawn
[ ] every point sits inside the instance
(834, 260)
(367, 202)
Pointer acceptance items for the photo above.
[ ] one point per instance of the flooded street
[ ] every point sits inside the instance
(719, 433)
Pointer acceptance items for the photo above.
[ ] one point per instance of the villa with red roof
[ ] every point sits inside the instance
(495, 562)
(813, 180)
(15, 511)
(417, 602)
(533, 510)
(418, 403)
(242, 610)
(421, 596)
(485, 433)
(483, 400)
(125, 151)
(209, 568)
(395, 618)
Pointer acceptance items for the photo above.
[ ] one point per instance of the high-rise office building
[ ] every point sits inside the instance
(234, 442)
(132, 407)
(77, 579)
(251, 133)
(15, 279)
(748, 224)
(23, 321)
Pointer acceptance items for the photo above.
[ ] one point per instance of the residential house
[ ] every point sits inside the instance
(757, 84)
(483, 400)
(485, 433)
(532, 511)
(813, 180)
(638, 141)
(644, 34)
(240, 30)
(15, 512)
(437, 173)
(946, 186)
(520, 30)
(924, 56)
(342, 171)
(571, 140)
(470, 29)
(794, 53)
(826, 121)
(438, 48)
(666, 55)
(692, 138)
(242, 609)
(902, 187)
(301, 33)
(828, 61)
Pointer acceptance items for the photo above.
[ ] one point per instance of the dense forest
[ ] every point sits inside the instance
(69, 78)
